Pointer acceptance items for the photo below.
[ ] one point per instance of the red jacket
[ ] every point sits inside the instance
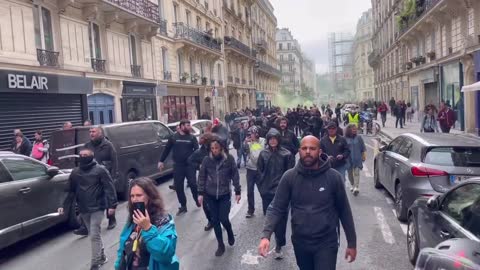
(446, 117)
(382, 108)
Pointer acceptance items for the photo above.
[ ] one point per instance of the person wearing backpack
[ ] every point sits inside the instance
(40, 148)
(429, 123)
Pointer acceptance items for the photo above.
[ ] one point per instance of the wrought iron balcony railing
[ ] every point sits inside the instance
(167, 76)
(264, 67)
(98, 65)
(405, 23)
(163, 27)
(143, 8)
(204, 81)
(136, 71)
(47, 58)
(261, 44)
(238, 45)
(183, 31)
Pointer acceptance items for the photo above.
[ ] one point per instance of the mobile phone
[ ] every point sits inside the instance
(139, 206)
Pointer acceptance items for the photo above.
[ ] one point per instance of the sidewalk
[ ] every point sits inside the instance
(391, 132)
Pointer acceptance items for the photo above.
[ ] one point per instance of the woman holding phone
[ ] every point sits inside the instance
(149, 239)
(217, 173)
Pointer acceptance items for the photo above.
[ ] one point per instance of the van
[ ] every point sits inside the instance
(139, 146)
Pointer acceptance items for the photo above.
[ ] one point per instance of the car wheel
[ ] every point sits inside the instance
(74, 220)
(412, 240)
(400, 208)
(376, 178)
(128, 178)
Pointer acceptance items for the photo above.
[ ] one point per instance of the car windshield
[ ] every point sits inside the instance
(454, 156)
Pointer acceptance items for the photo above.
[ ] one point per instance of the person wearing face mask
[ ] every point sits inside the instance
(182, 144)
(148, 240)
(93, 188)
(105, 154)
(217, 173)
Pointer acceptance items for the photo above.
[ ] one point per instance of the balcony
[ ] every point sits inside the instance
(407, 21)
(47, 58)
(167, 76)
(267, 69)
(98, 65)
(374, 59)
(136, 71)
(163, 27)
(239, 48)
(194, 38)
(142, 8)
(261, 45)
(204, 80)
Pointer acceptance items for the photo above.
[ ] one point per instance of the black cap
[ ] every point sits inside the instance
(331, 125)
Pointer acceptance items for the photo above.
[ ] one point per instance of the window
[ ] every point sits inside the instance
(162, 131)
(289, 46)
(192, 66)
(216, 32)
(22, 169)
(94, 39)
(463, 205)
(133, 50)
(207, 26)
(406, 148)
(175, 13)
(219, 70)
(188, 17)
(43, 28)
(211, 67)
(180, 64)
(281, 57)
(454, 156)
(202, 69)
(199, 24)
(394, 146)
(165, 59)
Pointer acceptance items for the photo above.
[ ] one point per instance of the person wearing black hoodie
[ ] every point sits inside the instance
(288, 139)
(318, 202)
(217, 173)
(272, 163)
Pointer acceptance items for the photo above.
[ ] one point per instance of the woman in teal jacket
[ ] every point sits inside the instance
(149, 240)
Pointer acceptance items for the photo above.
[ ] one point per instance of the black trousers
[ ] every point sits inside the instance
(445, 129)
(315, 259)
(219, 211)
(281, 229)
(180, 172)
(252, 178)
(399, 120)
(384, 118)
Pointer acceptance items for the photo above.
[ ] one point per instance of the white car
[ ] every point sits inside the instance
(197, 126)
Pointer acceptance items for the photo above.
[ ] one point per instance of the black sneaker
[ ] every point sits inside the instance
(82, 231)
(231, 239)
(95, 267)
(104, 260)
(181, 211)
(220, 250)
(112, 222)
(208, 227)
(249, 214)
(172, 187)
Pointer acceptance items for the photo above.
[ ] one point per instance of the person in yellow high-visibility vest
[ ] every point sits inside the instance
(353, 118)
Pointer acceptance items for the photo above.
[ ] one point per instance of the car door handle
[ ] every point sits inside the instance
(445, 234)
(25, 190)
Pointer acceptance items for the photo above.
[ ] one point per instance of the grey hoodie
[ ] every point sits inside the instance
(253, 150)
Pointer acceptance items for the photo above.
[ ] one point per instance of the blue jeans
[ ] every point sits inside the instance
(240, 154)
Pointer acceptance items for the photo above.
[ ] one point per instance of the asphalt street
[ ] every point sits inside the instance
(381, 238)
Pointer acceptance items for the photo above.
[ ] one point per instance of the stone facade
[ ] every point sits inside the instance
(362, 47)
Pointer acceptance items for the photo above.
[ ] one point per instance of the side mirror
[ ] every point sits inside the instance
(382, 148)
(52, 171)
(433, 203)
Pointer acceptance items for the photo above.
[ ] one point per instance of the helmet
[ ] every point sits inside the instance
(451, 254)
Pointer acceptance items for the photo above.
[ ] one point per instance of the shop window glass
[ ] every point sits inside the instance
(102, 120)
(110, 116)
(90, 115)
(43, 28)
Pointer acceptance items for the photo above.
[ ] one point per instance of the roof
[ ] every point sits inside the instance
(444, 139)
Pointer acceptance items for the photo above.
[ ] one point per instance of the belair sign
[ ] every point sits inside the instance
(18, 81)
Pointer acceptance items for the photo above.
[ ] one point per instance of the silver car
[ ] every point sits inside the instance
(418, 165)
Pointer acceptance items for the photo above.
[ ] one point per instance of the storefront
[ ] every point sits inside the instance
(37, 101)
(138, 101)
(181, 103)
(451, 84)
(260, 97)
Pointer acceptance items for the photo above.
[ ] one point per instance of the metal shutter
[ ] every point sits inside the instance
(31, 112)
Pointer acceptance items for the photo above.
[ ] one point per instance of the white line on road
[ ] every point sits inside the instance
(386, 232)
(404, 227)
(367, 172)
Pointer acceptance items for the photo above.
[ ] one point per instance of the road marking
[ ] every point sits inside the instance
(386, 232)
(373, 148)
(367, 172)
(403, 226)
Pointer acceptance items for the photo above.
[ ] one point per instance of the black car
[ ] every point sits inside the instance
(31, 193)
(139, 146)
(454, 214)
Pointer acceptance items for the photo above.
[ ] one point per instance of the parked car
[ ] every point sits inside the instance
(139, 146)
(452, 254)
(454, 214)
(417, 165)
(30, 194)
(195, 130)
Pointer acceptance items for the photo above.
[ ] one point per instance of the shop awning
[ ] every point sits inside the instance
(471, 87)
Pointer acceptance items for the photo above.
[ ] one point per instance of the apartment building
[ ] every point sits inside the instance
(424, 52)
(362, 47)
(340, 53)
(308, 74)
(290, 62)
(267, 76)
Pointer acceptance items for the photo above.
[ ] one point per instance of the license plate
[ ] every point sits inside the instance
(455, 179)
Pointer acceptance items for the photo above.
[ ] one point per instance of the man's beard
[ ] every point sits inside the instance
(186, 131)
(308, 161)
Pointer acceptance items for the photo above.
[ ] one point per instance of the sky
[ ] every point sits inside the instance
(310, 21)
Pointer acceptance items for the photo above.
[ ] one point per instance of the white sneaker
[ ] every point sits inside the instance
(278, 254)
(355, 191)
(351, 189)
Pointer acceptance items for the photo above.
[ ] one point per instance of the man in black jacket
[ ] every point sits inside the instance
(336, 147)
(238, 137)
(318, 201)
(105, 154)
(93, 188)
(273, 162)
(288, 139)
(183, 144)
